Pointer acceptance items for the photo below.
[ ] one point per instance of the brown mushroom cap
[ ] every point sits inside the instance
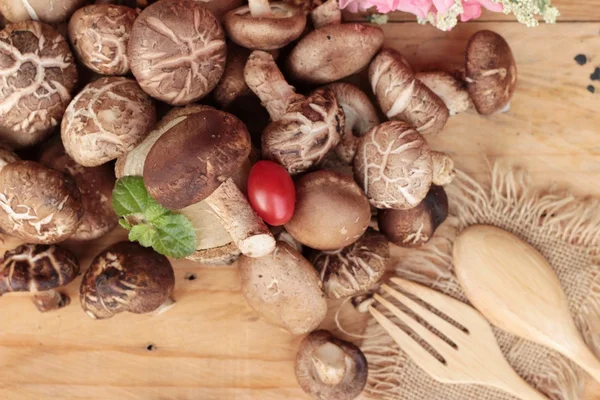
(331, 211)
(126, 277)
(108, 118)
(37, 268)
(220, 7)
(39, 10)
(99, 34)
(360, 117)
(334, 52)
(285, 25)
(284, 288)
(309, 129)
(193, 158)
(447, 87)
(232, 85)
(354, 269)
(7, 156)
(491, 72)
(177, 51)
(38, 74)
(414, 227)
(328, 368)
(38, 204)
(402, 96)
(394, 166)
(96, 186)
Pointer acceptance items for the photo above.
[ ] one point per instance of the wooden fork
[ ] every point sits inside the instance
(474, 356)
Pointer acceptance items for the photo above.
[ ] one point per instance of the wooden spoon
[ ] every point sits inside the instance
(515, 288)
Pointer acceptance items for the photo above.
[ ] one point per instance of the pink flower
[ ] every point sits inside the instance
(355, 5)
(472, 8)
(420, 8)
(442, 6)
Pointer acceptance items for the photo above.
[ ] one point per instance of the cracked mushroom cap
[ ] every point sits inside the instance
(328, 368)
(177, 51)
(285, 24)
(99, 34)
(491, 72)
(354, 269)
(309, 129)
(415, 227)
(193, 158)
(7, 156)
(394, 166)
(331, 211)
(38, 204)
(284, 288)
(37, 76)
(95, 184)
(37, 268)
(334, 52)
(108, 118)
(402, 96)
(126, 277)
(360, 117)
(39, 10)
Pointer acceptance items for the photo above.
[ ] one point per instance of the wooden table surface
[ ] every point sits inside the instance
(211, 345)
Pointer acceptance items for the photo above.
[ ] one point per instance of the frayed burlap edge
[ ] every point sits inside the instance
(509, 194)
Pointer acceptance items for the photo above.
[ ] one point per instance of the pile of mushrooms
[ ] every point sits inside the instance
(132, 110)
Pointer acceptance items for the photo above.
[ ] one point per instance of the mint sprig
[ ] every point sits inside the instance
(149, 223)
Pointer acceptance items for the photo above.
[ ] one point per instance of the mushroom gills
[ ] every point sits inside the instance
(331, 363)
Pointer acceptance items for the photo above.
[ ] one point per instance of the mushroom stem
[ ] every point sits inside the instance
(443, 168)
(264, 78)
(328, 13)
(329, 361)
(246, 228)
(164, 307)
(260, 8)
(50, 300)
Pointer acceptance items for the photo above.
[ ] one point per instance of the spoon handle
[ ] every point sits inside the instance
(513, 384)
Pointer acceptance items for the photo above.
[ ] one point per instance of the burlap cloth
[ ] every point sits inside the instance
(564, 228)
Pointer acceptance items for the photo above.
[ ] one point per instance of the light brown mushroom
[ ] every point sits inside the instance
(453, 92)
(491, 72)
(443, 168)
(331, 211)
(394, 166)
(360, 117)
(403, 97)
(40, 270)
(213, 243)
(415, 227)
(7, 156)
(37, 76)
(38, 204)
(284, 289)
(95, 184)
(328, 13)
(303, 129)
(39, 10)
(328, 368)
(127, 277)
(264, 26)
(220, 7)
(99, 35)
(175, 178)
(177, 51)
(232, 85)
(108, 118)
(355, 269)
(334, 52)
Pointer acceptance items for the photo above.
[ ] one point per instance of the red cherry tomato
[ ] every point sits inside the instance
(271, 192)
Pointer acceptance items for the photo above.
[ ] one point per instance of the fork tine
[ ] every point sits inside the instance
(443, 326)
(437, 343)
(453, 308)
(415, 351)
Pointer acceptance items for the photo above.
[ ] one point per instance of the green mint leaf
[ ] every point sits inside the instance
(130, 196)
(123, 222)
(154, 210)
(175, 237)
(145, 234)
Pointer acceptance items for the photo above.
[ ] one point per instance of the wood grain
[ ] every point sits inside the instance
(211, 345)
